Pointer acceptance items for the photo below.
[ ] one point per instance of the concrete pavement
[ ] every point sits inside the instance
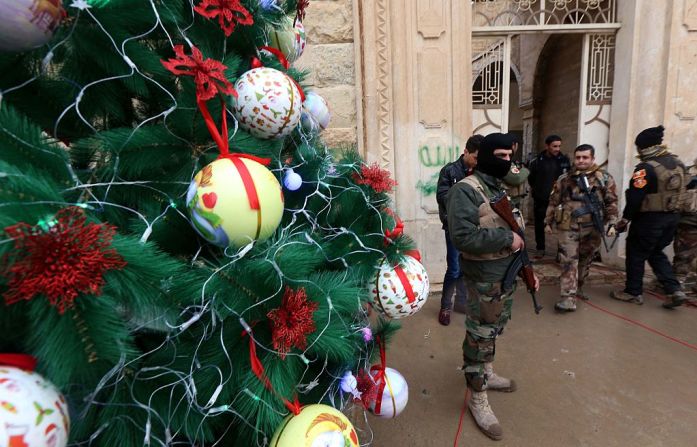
(589, 378)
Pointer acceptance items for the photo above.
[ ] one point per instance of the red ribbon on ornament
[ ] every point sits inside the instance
(258, 370)
(380, 377)
(21, 361)
(256, 63)
(405, 283)
(414, 254)
(221, 139)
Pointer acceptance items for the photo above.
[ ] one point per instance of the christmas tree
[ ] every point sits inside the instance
(152, 263)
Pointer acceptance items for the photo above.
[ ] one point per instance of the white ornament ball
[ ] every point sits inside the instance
(389, 294)
(315, 113)
(268, 104)
(32, 411)
(394, 397)
(292, 180)
(27, 24)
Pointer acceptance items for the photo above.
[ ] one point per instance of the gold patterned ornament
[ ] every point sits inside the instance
(288, 38)
(317, 425)
(218, 200)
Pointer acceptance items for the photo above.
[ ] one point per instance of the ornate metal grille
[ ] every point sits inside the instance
(600, 68)
(487, 71)
(519, 13)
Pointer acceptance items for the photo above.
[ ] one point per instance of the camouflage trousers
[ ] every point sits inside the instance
(685, 260)
(577, 248)
(488, 311)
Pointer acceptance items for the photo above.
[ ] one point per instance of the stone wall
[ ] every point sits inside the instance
(330, 58)
(560, 90)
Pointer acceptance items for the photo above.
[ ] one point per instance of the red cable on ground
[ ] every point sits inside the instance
(462, 416)
(643, 326)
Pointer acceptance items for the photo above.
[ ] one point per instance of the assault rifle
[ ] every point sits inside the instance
(521, 264)
(592, 205)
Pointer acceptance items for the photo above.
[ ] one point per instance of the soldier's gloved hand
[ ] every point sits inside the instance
(548, 229)
(611, 231)
(621, 226)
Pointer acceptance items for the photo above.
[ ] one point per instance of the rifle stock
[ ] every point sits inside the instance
(521, 264)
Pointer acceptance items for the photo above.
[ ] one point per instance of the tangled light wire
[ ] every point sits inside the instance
(204, 313)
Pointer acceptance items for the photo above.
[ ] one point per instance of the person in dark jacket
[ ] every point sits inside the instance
(544, 171)
(653, 206)
(453, 283)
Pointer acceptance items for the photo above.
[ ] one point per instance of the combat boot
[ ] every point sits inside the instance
(494, 382)
(675, 299)
(621, 295)
(566, 304)
(484, 416)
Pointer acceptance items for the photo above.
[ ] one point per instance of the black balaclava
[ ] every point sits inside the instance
(487, 162)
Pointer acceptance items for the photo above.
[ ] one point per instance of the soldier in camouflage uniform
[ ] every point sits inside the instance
(487, 246)
(579, 240)
(685, 244)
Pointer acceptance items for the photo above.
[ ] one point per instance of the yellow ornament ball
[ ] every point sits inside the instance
(317, 425)
(220, 200)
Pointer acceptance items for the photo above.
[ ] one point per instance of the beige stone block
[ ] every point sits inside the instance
(340, 138)
(342, 104)
(329, 64)
(329, 22)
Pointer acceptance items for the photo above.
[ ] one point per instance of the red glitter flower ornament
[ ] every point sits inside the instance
(375, 177)
(230, 13)
(292, 322)
(209, 74)
(67, 259)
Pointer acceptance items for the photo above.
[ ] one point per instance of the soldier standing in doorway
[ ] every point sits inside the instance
(685, 245)
(545, 169)
(581, 204)
(654, 201)
(488, 246)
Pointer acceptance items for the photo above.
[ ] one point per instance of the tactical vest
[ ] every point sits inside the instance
(671, 189)
(487, 219)
(572, 210)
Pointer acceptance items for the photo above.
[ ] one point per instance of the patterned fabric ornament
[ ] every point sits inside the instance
(66, 259)
(32, 411)
(317, 425)
(292, 322)
(289, 38)
(400, 290)
(374, 176)
(269, 103)
(209, 74)
(28, 24)
(230, 13)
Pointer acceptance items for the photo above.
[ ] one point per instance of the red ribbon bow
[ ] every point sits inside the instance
(379, 371)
